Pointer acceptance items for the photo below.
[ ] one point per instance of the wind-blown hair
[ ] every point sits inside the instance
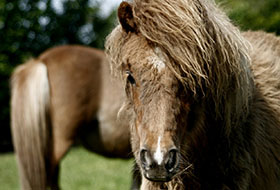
(204, 50)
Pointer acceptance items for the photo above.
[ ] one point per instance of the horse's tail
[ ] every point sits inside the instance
(30, 100)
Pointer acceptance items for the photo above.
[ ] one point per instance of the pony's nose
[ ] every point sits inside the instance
(159, 169)
(172, 160)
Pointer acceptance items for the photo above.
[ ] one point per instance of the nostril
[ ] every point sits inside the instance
(143, 153)
(143, 157)
(172, 160)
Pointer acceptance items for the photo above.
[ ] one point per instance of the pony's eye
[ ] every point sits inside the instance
(130, 78)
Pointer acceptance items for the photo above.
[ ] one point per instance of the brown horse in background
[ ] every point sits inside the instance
(65, 94)
(204, 98)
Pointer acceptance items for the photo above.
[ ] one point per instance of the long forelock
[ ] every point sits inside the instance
(202, 48)
(205, 51)
(191, 33)
(114, 41)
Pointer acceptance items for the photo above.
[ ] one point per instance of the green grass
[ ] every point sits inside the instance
(8, 172)
(80, 170)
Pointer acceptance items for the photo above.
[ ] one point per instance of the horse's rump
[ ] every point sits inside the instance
(64, 95)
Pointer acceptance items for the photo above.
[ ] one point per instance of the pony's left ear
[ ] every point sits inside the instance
(125, 14)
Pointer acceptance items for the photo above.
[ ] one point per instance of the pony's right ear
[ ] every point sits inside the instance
(125, 14)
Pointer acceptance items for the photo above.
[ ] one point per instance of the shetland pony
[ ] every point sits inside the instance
(66, 93)
(204, 99)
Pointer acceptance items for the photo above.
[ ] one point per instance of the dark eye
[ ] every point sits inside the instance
(130, 78)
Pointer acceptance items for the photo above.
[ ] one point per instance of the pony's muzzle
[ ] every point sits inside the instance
(159, 169)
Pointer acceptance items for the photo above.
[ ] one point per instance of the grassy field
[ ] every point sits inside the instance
(80, 170)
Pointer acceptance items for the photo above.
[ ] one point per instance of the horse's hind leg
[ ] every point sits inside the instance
(60, 146)
(52, 175)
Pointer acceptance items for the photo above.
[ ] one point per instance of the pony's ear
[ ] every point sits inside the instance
(125, 14)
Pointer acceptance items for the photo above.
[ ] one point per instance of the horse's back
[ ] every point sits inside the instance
(265, 54)
(265, 112)
(265, 57)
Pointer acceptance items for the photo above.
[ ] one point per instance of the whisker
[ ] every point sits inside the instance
(182, 171)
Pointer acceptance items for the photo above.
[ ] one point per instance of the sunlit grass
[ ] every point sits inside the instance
(8, 172)
(80, 170)
(84, 170)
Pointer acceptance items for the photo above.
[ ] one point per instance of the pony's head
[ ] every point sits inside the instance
(182, 62)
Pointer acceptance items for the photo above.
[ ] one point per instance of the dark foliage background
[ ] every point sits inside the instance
(28, 27)
(254, 14)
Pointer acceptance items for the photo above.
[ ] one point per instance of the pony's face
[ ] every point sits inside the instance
(159, 104)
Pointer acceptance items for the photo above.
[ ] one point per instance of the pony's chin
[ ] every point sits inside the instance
(158, 178)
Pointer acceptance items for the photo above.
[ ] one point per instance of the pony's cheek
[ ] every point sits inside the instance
(136, 130)
(135, 138)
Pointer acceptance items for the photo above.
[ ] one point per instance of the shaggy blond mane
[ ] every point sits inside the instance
(205, 51)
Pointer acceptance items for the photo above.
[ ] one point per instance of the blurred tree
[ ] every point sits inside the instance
(254, 14)
(28, 27)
